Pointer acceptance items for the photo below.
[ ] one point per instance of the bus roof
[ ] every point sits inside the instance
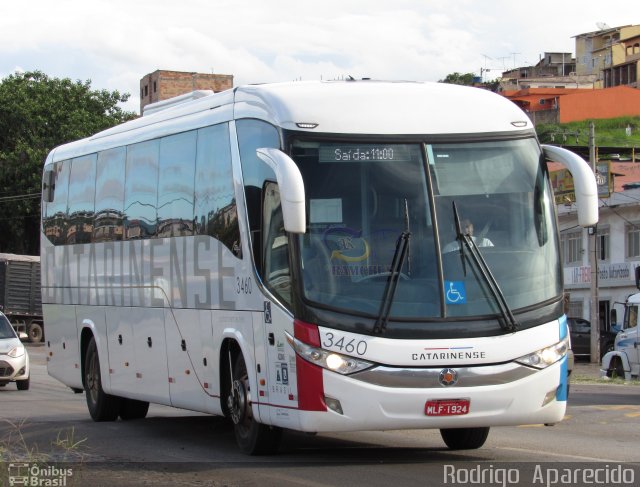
(363, 107)
(382, 107)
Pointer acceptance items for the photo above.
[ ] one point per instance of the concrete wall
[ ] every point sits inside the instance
(619, 101)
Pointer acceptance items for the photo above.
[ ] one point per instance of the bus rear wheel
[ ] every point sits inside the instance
(133, 409)
(252, 437)
(464, 438)
(102, 406)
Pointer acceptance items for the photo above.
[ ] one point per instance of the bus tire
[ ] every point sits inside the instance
(252, 437)
(464, 438)
(35, 332)
(102, 406)
(133, 409)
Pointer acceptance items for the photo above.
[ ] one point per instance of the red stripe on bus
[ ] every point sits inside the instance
(310, 382)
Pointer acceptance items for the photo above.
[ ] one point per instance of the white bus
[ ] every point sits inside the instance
(279, 254)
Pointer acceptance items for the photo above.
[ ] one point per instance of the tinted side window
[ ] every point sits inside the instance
(275, 268)
(141, 190)
(216, 213)
(110, 172)
(253, 134)
(55, 214)
(81, 199)
(175, 185)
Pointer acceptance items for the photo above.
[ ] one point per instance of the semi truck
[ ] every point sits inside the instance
(624, 360)
(20, 298)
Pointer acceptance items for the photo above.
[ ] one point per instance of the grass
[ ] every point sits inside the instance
(67, 442)
(609, 133)
(577, 378)
(15, 448)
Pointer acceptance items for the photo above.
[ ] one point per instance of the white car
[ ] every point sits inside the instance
(14, 359)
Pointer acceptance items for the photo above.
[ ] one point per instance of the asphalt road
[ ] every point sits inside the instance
(175, 447)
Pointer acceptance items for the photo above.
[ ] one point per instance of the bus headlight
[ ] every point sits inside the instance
(546, 356)
(336, 362)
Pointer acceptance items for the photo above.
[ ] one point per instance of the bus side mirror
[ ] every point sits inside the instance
(48, 186)
(291, 188)
(584, 182)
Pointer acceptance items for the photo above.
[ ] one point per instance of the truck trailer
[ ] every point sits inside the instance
(20, 298)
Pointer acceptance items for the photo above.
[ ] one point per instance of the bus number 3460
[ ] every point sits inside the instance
(243, 285)
(341, 343)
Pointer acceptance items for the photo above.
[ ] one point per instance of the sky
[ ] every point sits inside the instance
(114, 43)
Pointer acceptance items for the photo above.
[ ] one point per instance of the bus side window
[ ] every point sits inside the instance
(176, 184)
(275, 273)
(110, 171)
(215, 208)
(252, 135)
(81, 200)
(55, 218)
(141, 190)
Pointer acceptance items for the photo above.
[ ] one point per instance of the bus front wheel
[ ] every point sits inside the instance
(464, 438)
(102, 406)
(252, 437)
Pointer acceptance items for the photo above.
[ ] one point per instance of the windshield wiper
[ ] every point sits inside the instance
(508, 322)
(399, 257)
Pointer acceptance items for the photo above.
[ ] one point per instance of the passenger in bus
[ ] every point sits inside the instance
(466, 226)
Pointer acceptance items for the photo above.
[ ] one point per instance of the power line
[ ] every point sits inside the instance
(613, 209)
(22, 217)
(20, 197)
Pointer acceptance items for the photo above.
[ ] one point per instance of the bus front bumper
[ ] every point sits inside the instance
(534, 397)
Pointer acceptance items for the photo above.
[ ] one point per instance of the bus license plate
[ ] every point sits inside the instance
(447, 407)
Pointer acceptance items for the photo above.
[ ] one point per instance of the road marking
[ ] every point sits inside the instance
(617, 407)
(281, 477)
(555, 454)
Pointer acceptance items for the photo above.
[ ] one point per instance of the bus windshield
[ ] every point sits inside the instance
(361, 197)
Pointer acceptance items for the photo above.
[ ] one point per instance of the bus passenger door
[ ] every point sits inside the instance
(281, 387)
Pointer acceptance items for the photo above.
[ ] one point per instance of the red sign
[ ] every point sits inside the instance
(447, 407)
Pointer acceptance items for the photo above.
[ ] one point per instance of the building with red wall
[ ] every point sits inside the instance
(563, 105)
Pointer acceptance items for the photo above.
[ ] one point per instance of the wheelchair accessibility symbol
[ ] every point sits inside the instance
(455, 292)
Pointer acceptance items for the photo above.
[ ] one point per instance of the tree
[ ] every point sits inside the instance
(38, 113)
(459, 79)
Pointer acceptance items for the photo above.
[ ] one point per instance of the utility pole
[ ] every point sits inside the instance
(593, 262)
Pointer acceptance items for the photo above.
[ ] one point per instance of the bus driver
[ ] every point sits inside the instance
(467, 229)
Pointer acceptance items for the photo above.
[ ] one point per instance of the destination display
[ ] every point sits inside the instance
(329, 153)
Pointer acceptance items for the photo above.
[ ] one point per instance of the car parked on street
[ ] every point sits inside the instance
(580, 332)
(14, 358)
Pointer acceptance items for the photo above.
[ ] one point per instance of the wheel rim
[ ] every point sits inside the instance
(93, 380)
(34, 333)
(239, 401)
